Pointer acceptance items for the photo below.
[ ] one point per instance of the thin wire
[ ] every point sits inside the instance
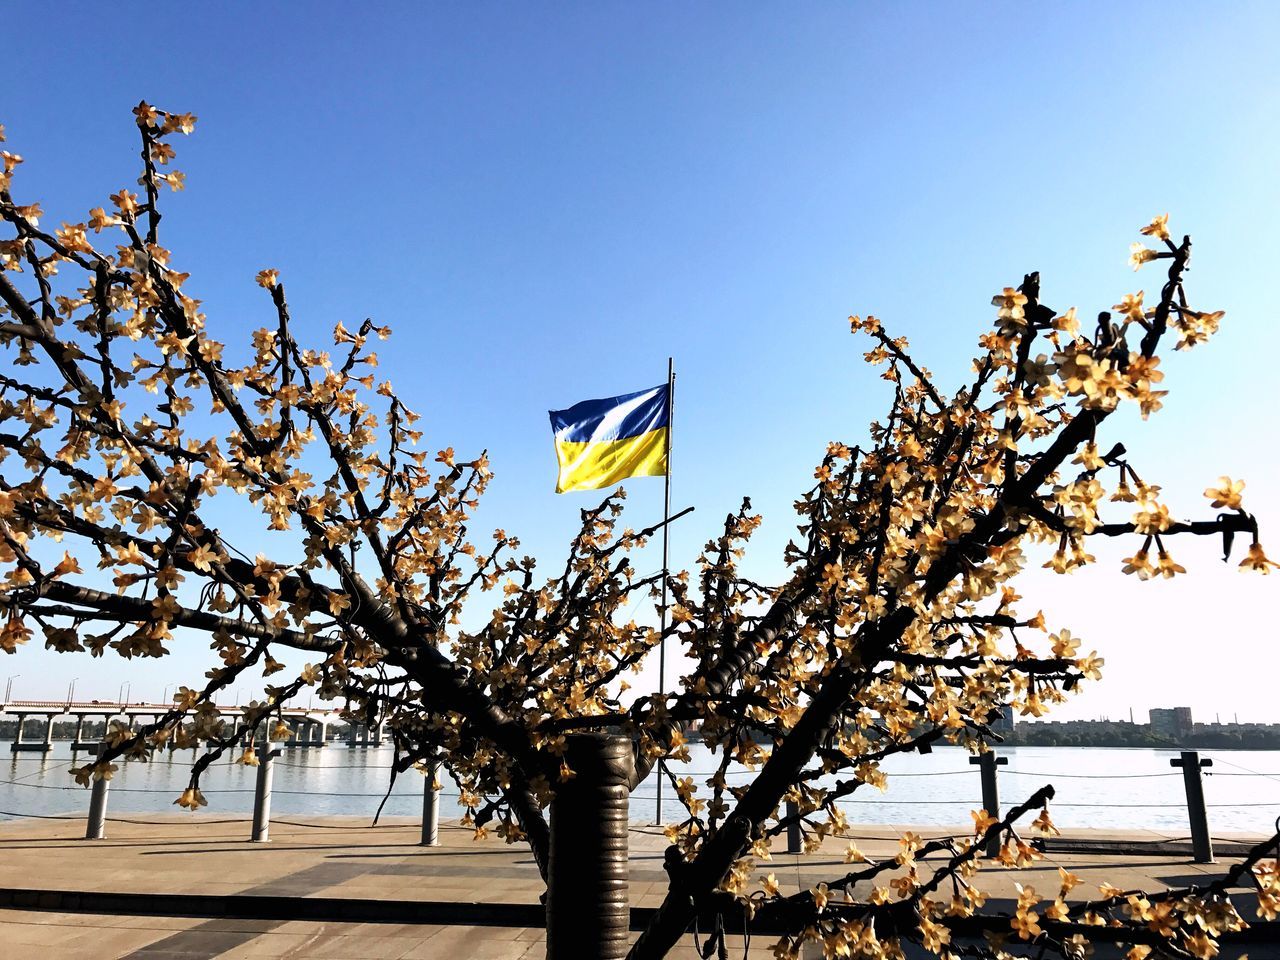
(38, 773)
(1244, 771)
(333, 766)
(1213, 773)
(1255, 773)
(217, 791)
(1089, 776)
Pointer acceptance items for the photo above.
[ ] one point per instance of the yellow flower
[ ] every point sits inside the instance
(1226, 493)
(1131, 306)
(191, 799)
(1152, 518)
(1201, 946)
(1067, 323)
(268, 278)
(1196, 327)
(145, 113)
(1166, 567)
(1069, 882)
(1026, 924)
(1091, 666)
(1140, 254)
(1064, 645)
(1044, 824)
(982, 822)
(1059, 563)
(1256, 560)
(126, 202)
(1158, 227)
(15, 632)
(1139, 564)
(1056, 911)
(1010, 302)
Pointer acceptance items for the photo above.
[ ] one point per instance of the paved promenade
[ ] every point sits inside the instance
(347, 860)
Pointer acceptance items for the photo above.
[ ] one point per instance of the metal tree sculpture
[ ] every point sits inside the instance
(122, 420)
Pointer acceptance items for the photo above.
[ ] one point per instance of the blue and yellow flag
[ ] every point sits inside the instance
(600, 442)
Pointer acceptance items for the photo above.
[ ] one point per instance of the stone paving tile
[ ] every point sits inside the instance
(189, 855)
(271, 945)
(364, 947)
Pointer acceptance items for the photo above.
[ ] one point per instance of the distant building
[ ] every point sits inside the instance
(1172, 723)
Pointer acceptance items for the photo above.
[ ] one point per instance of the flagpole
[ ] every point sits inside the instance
(666, 527)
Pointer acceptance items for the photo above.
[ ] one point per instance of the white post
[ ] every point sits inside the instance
(262, 795)
(96, 828)
(431, 804)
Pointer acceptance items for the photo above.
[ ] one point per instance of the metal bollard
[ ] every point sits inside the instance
(96, 829)
(431, 805)
(587, 908)
(795, 836)
(1193, 781)
(987, 764)
(262, 796)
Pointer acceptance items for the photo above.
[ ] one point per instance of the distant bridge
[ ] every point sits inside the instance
(310, 725)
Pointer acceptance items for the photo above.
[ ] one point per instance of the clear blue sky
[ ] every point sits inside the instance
(545, 200)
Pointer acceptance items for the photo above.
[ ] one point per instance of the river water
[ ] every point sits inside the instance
(1104, 788)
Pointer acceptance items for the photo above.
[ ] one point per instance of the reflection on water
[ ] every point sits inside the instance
(1104, 788)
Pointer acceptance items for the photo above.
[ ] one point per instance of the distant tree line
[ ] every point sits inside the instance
(1140, 735)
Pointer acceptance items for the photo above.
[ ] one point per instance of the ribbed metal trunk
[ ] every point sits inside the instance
(588, 913)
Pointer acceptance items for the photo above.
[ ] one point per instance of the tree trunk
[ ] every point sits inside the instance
(588, 914)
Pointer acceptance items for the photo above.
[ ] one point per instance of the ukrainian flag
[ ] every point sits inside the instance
(600, 442)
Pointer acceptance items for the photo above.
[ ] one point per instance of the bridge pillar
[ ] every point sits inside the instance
(48, 734)
(75, 738)
(352, 735)
(377, 735)
(17, 736)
